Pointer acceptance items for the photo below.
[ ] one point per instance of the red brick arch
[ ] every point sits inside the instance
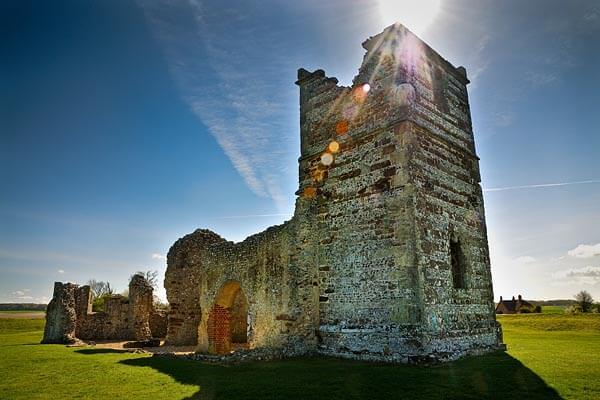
(229, 307)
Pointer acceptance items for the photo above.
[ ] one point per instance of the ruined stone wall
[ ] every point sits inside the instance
(61, 318)
(123, 318)
(278, 287)
(182, 284)
(158, 324)
(389, 209)
(111, 324)
(140, 299)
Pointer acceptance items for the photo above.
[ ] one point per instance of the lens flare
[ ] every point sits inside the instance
(349, 112)
(359, 94)
(310, 192)
(341, 128)
(317, 175)
(333, 147)
(327, 159)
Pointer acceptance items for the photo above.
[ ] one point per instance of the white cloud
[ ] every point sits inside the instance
(21, 295)
(584, 276)
(525, 260)
(157, 256)
(585, 251)
(61, 271)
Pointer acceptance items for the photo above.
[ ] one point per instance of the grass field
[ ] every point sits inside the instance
(553, 309)
(549, 357)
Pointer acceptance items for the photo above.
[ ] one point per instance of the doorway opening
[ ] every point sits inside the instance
(228, 320)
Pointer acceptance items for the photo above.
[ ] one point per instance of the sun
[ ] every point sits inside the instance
(416, 15)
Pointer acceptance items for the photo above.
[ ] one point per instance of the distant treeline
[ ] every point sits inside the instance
(562, 303)
(22, 307)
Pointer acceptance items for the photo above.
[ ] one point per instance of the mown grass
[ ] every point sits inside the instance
(549, 357)
(10, 326)
(562, 349)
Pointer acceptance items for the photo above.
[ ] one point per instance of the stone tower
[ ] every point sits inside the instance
(403, 258)
(386, 257)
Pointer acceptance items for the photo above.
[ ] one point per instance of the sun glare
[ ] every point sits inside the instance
(416, 15)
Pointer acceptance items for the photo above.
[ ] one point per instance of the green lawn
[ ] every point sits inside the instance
(553, 309)
(549, 357)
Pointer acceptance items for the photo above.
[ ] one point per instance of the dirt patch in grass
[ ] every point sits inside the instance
(23, 315)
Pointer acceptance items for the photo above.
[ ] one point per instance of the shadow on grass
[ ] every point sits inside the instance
(493, 376)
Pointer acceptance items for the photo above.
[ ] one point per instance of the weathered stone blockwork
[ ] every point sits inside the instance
(386, 256)
(70, 317)
(60, 315)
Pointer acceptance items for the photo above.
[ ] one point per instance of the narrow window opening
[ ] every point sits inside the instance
(458, 263)
(439, 91)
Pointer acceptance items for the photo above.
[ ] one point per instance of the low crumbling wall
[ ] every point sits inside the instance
(111, 324)
(70, 316)
(270, 276)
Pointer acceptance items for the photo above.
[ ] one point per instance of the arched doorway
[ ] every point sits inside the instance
(228, 319)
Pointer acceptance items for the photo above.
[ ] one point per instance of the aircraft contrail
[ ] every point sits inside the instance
(542, 185)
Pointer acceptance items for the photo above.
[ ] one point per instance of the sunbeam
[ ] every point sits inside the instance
(415, 15)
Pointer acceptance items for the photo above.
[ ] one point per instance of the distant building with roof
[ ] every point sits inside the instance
(514, 306)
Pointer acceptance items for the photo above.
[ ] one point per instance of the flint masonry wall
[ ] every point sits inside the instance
(275, 274)
(61, 318)
(386, 256)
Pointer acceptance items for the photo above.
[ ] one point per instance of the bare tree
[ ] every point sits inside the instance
(100, 288)
(585, 301)
(151, 277)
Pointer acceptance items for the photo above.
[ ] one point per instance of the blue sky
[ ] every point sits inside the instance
(124, 126)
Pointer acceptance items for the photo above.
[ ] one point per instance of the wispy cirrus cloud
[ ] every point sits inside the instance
(540, 78)
(479, 60)
(229, 72)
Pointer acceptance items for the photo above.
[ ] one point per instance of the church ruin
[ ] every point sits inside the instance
(386, 256)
